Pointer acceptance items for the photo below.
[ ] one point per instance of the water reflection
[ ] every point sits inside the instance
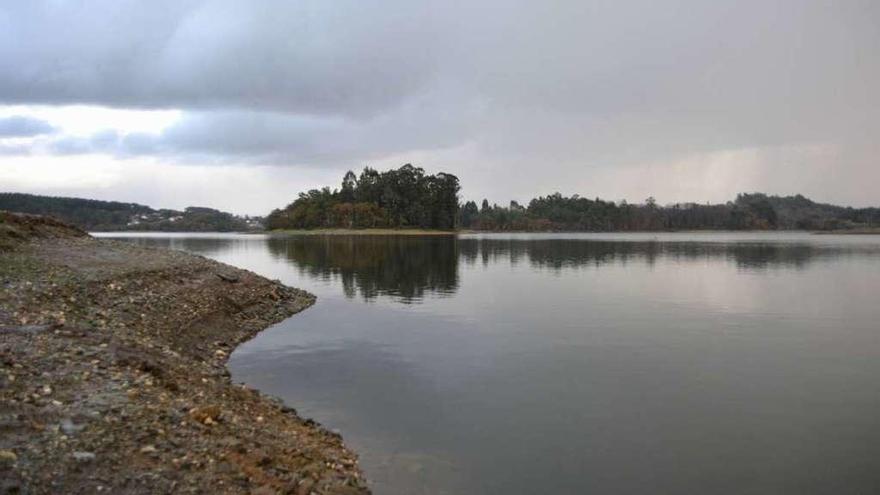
(408, 267)
(559, 254)
(405, 267)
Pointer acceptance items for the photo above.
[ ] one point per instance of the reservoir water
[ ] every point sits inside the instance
(579, 363)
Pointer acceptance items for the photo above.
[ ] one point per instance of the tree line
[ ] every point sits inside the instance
(397, 198)
(747, 212)
(407, 197)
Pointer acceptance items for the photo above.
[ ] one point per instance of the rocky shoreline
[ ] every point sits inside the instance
(113, 374)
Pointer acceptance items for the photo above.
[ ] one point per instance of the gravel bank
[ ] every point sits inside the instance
(113, 378)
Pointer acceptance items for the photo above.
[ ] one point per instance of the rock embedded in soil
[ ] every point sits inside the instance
(112, 374)
(84, 456)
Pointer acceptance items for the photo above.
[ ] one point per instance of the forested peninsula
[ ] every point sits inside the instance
(408, 198)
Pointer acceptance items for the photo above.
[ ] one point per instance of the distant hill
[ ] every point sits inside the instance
(94, 215)
(798, 212)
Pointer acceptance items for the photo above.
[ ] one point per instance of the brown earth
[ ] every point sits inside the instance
(113, 378)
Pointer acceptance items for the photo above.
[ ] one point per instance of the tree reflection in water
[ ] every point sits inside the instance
(404, 267)
(409, 267)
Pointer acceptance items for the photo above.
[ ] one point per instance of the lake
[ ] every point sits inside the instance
(579, 363)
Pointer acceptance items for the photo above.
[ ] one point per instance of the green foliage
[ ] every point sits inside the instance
(94, 215)
(404, 197)
(749, 212)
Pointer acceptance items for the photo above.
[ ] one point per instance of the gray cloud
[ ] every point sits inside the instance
(101, 142)
(537, 93)
(14, 150)
(278, 138)
(349, 57)
(20, 126)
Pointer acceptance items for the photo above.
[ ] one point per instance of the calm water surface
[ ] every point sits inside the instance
(640, 363)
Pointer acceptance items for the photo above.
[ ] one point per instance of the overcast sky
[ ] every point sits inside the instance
(239, 105)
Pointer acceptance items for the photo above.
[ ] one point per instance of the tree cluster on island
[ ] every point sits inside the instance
(399, 198)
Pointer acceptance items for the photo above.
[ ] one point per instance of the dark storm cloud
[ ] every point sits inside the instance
(20, 126)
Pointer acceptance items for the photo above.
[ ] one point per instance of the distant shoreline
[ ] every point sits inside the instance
(427, 232)
(281, 232)
(867, 231)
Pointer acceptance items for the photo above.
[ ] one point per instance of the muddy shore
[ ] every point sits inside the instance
(113, 377)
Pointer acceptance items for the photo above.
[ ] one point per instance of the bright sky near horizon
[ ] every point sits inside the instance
(241, 105)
